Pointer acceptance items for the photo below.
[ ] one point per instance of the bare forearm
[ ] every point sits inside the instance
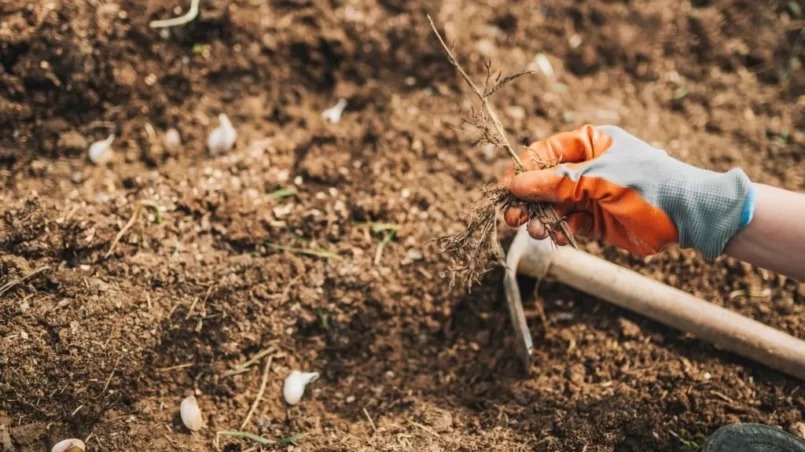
(775, 239)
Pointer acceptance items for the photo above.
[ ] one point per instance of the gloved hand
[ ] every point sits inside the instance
(610, 185)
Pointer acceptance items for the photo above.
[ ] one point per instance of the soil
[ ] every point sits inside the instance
(105, 348)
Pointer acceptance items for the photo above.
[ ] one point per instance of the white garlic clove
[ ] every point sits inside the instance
(544, 64)
(223, 137)
(100, 152)
(172, 140)
(69, 445)
(294, 386)
(333, 114)
(191, 414)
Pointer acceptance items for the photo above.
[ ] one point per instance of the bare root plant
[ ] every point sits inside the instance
(472, 250)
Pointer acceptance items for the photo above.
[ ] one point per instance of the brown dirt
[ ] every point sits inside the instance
(106, 347)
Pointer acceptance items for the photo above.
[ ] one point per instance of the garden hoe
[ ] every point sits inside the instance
(635, 292)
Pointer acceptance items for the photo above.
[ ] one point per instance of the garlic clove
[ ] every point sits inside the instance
(172, 140)
(294, 386)
(544, 64)
(69, 445)
(191, 414)
(223, 137)
(333, 114)
(100, 152)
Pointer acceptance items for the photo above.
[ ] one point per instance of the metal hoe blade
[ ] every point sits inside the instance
(523, 335)
(523, 343)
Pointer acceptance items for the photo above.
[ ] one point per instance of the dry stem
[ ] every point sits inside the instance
(111, 374)
(140, 205)
(259, 397)
(10, 285)
(483, 217)
(490, 113)
(371, 422)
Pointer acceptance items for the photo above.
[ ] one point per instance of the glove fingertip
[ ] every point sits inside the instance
(535, 186)
(515, 216)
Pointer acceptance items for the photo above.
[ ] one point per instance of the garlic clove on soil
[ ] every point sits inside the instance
(223, 138)
(69, 445)
(294, 386)
(333, 114)
(544, 64)
(172, 140)
(191, 414)
(101, 152)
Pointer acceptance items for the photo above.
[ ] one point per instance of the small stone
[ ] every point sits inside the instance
(350, 399)
(441, 421)
(281, 211)
(5, 438)
(798, 429)
(544, 64)
(172, 139)
(488, 152)
(629, 328)
(563, 316)
(414, 255)
(72, 141)
(576, 374)
(515, 112)
(707, 376)
(339, 206)
(485, 47)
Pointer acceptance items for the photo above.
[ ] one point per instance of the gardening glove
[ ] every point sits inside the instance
(610, 185)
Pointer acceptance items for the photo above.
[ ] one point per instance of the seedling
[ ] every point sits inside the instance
(472, 248)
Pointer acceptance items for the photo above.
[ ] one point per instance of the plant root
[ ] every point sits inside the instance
(473, 249)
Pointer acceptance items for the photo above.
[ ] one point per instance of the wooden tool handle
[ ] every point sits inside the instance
(667, 305)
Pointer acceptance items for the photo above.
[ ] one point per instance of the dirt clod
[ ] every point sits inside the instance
(72, 141)
(798, 429)
(104, 348)
(628, 328)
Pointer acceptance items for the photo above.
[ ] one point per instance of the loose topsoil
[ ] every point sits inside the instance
(105, 348)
